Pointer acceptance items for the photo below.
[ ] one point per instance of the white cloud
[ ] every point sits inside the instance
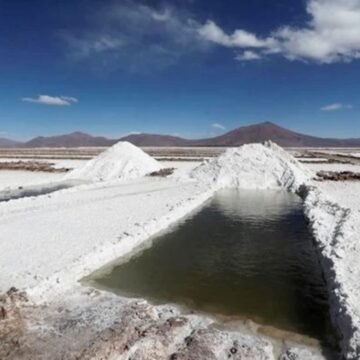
(331, 35)
(218, 126)
(83, 46)
(248, 55)
(162, 16)
(52, 100)
(336, 107)
(136, 35)
(239, 38)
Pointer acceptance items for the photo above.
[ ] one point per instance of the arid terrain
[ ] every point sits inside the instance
(46, 313)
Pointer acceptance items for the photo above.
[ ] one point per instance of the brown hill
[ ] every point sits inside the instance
(7, 143)
(270, 131)
(76, 139)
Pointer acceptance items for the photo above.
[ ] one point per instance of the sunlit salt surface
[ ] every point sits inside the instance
(246, 254)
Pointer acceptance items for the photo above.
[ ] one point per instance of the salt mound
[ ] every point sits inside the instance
(122, 161)
(253, 166)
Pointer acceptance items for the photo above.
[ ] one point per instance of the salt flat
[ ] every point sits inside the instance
(10, 179)
(13, 179)
(56, 239)
(63, 228)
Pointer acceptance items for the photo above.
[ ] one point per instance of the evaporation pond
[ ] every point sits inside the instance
(246, 254)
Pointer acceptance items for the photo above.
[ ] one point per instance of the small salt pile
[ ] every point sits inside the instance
(123, 161)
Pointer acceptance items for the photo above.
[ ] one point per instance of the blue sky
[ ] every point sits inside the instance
(192, 68)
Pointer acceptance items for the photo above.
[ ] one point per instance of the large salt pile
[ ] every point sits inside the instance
(123, 161)
(253, 166)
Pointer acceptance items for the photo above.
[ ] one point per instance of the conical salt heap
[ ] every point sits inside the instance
(123, 161)
(253, 166)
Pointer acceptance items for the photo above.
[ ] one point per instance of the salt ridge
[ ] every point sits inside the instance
(253, 166)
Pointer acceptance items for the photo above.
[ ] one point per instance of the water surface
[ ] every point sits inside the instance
(247, 254)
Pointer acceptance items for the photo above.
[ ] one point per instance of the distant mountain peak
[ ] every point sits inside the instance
(74, 139)
(79, 133)
(267, 123)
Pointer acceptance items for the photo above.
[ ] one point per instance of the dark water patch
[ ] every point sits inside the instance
(246, 254)
(32, 191)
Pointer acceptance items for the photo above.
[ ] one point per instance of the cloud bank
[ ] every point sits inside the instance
(52, 100)
(331, 35)
(137, 34)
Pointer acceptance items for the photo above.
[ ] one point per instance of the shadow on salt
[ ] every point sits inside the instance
(36, 190)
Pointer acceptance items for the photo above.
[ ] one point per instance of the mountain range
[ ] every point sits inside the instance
(243, 135)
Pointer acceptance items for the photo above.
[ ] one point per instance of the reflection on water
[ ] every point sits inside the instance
(246, 254)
